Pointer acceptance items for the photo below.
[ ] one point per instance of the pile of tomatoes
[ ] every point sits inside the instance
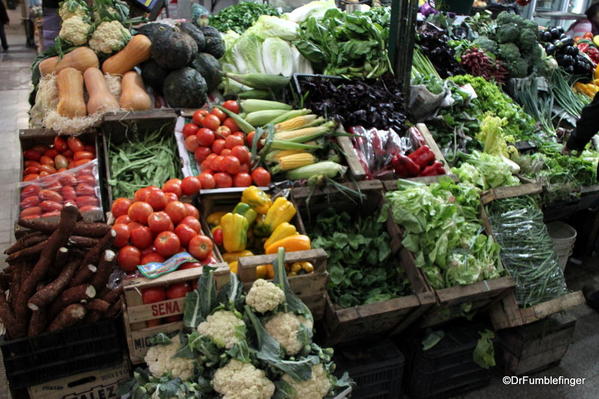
(155, 225)
(220, 149)
(42, 160)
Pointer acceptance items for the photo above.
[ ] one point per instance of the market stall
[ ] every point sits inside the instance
(225, 197)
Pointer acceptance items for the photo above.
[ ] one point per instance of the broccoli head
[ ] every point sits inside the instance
(509, 52)
(505, 18)
(518, 68)
(507, 33)
(486, 44)
(527, 40)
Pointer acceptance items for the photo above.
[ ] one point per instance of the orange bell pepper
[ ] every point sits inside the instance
(291, 243)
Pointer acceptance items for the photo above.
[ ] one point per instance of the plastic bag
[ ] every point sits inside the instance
(527, 250)
(46, 196)
(423, 104)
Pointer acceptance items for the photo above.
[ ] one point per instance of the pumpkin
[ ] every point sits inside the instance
(81, 58)
(134, 53)
(69, 82)
(134, 96)
(100, 98)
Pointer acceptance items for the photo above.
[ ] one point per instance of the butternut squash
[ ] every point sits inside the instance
(134, 53)
(71, 104)
(81, 58)
(134, 96)
(100, 98)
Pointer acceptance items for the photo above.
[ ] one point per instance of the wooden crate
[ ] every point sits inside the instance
(454, 302)
(310, 287)
(536, 347)
(116, 126)
(377, 319)
(136, 313)
(357, 170)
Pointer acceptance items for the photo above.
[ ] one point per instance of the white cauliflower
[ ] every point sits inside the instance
(75, 30)
(72, 8)
(264, 296)
(223, 327)
(316, 387)
(161, 361)
(239, 380)
(284, 327)
(109, 37)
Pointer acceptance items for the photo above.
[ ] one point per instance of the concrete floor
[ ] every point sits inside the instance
(580, 361)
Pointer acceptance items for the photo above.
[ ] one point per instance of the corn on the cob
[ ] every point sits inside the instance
(306, 134)
(253, 105)
(255, 94)
(324, 168)
(290, 145)
(295, 123)
(294, 161)
(290, 115)
(275, 156)
(261, 118)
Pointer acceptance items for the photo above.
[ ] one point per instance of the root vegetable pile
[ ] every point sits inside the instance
(58, 275)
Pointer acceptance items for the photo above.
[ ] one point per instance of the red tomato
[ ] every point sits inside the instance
(80, 162)
(48, 169)
(86, 179)
(216, 163)
(189, 265)
(83, 155)
(90, 208)
(139, 212)
(123, 219)
(141, 194)
(191, 211)
(51, 213)
(250, 138)
(152, 257)
(223, 180)
(85, 189)
(69, 194)
(242, 180)
(87, 200)
(200, 247)
(90, 148)
(31, 177)
(153, 295)
(218, 146)
(167, 243)
(159, 222)
(68, 154)
(157, 200)
(239, 134)
(129, 257)
(60, 144)
(148, 251)
(50, 195)
(68, 180)
(192, 222)
(122, 235)
(261, 176)
(40, 148)
(190, 185)
(60, 161)
(232, 106)
(223, 131)
(53, 185)
(171, 197)
(28, 202)
(244, 168)
(74, 144)
(230, 123)
(207, 181)
(32, 163)
(43, 173)
(233, 141)
(133, 225)
(225, 152)
(231, 165)
(49, 206)
(32, 155)
(52, 153)
(242, 153)
(217, 234)
(219, 114)
(31, 190)
(205, 137)
(33, 211)
(141, 237)
(178, 290)
(199, 115)
(190, 129)
(185, 234)
(206, 167)
(211, 122)
(202, 153)
(176, 211)
(44, 160)
(192, 143)
(172, 186)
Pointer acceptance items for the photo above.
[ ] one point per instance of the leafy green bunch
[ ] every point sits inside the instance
(239, 17)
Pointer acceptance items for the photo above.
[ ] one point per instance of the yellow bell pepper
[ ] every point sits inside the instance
(235, 229)
(246, 211)
(214, 218)
(596, 72)
(233, 256)
(234, 266)
(283, 230)
(293, 243)
(257, 199)
(281, 211)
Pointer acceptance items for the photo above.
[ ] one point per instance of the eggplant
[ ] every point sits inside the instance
(550, 49)
(565, 42)
(555, 33)
(561, 30)
(546, 36)
(569, 69)
(560, 58)
(568, 60)
(572, 50)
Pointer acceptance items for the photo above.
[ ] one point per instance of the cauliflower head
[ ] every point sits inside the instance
(238, 380)
(264, 296)
(316, 387)
(109, 37)
(161, 361)
(72, 8)
(75, 30)
(224, 328)
(284, 327)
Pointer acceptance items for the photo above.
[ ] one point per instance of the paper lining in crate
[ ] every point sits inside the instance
(137, 314)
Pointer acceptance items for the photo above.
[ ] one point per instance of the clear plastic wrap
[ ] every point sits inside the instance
(527, 250)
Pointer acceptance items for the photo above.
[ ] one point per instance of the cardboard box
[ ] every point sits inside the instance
(97, 384)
